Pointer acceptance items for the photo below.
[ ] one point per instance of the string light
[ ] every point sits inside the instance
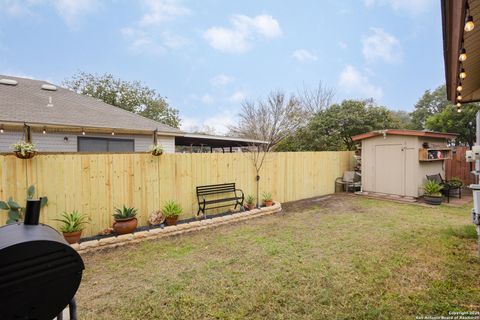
(459, 104)
(113, 133)
(459, 97)
(462, 74)
(463, 55)
(459, 109)
(1, 129)
(83, 132)
(469, 25)
(460, 87)
(44, 130)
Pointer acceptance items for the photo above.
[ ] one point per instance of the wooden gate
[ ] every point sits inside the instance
(458, 167)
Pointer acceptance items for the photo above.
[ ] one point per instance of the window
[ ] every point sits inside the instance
(105, 145)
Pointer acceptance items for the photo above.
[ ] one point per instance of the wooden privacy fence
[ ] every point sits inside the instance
(458, 167)
(96, 184)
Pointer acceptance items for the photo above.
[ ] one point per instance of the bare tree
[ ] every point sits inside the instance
(270, 120)
(314, 100)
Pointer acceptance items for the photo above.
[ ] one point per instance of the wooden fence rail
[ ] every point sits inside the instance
(96, 184)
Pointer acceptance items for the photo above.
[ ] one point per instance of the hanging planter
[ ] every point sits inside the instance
(24, 150)
(156, 150)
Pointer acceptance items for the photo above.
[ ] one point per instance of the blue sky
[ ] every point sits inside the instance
(208, 56)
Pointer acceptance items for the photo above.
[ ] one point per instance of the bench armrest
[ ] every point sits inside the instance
(243, 196)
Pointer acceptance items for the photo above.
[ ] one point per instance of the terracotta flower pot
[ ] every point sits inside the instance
(171, 221)
(250, 206)
(72, 237)
(124, 226)
(268, 203)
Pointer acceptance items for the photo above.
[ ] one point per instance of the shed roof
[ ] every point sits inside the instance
(402, 132)
(28, 102)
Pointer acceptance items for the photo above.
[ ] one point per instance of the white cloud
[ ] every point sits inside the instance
(159, 11)
(220, 122)
(149, 34)
(71, 11)
(413, 7)
(206, 99)
(352, 81)
(303, 55)
(221, 80)
(238, 96)
(244, 31)
(380, 45)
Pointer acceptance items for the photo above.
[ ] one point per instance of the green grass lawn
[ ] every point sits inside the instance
(341, 258)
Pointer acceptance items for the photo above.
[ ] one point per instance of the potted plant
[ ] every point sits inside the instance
(156, 149)
(267, 199)
(24, 150)
(171, 210)
(433, 194)
(250, 202)
(454, 185)
(72, 226)
(125, 220)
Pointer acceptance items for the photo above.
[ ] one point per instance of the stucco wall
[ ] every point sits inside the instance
(405, 173)
(55, 142)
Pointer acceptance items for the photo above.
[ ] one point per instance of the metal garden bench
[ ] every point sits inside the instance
(231, 196)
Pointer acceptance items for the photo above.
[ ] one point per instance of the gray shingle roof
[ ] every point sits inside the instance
(27, 102)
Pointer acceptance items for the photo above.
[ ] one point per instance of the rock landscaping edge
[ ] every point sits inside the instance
(140, 236)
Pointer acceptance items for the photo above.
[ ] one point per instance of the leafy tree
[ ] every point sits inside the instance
(403, 118)
(430, 103)
(131, 96)
(449, 120)
(333, 128)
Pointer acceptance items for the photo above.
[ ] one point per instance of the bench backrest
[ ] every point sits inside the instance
(435, 177)
(215, 189)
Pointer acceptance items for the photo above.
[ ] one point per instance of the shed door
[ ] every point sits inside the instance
(390, 169)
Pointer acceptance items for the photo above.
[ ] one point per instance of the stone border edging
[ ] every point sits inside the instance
(136, 237)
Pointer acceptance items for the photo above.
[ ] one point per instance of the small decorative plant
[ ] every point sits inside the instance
(171, 210)
(14, 210)
(24, 150)
(454, 182)
(125, 220)
(156, 149)
(250, 202)
(433, 192)
(156, 218)
(72, 225)
(433, 188)
(125, 213)
(267, 199)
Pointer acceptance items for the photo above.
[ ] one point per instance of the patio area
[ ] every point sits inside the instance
(334, 257)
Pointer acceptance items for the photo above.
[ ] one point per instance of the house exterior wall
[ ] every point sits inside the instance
(55, 142)
(408, 174)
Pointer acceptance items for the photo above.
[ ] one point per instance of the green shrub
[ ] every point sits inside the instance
(172, 209)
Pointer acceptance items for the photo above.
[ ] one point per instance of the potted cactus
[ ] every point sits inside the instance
(156, 150)
(267, 199)
(125, 220)
(250, 202)
(24, 150)
(433, 192)
(72, 225)
(171, 210)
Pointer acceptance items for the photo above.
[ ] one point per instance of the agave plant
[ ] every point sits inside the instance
(250, 200)
(73, 221)
(432, 188)
(172, 209)
(125, 213)
(266, 196)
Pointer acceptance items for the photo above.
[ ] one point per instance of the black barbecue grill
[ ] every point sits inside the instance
(39, 272)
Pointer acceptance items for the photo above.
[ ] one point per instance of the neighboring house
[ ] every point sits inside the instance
(61, 120)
